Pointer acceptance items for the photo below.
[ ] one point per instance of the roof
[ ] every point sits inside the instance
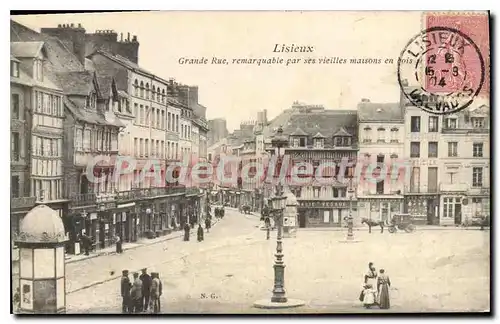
(76, 82)
(59, 57)
(91, 116)
(319, 135)
(105, 84)
(379, 112)
(42, 224)
(26, 49)
(298, 132)
(128, 64)
(327, 122)
(342, 132)
(280, 120)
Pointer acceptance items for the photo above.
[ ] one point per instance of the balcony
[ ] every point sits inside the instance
(421, 190)
(23, 202)
(453, 187)
(82, 158)
(148, 193)
(483, 190)
(83, 200)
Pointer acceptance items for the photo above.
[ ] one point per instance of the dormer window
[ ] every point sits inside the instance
(342, 138)
(302, 142)
(38, 69)
(381, 135)
(92, 100)
(319, 140)
(14, 69)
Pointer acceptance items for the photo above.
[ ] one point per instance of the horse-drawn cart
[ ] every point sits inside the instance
(402, 222)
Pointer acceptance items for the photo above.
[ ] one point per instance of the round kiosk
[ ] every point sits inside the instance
(42, 283)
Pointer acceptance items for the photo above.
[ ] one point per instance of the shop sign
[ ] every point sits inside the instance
(326, 204)
(93, 216)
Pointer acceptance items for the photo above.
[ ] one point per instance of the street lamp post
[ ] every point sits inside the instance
(350, 233)
(278, 204)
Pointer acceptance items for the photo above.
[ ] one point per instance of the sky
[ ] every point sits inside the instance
(237, 92)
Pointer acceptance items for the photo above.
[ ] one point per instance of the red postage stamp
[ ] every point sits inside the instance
(449, 62)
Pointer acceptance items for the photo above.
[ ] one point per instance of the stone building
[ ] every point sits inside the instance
(218, 130)
(382, 135)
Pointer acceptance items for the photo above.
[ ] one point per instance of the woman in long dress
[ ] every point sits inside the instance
(383, 284)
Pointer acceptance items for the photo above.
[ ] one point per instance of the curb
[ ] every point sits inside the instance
(167, 238)
(95, 283)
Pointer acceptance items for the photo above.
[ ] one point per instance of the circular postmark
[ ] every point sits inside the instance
(441, 70)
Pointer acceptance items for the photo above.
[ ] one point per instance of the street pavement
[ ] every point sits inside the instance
(430, 271)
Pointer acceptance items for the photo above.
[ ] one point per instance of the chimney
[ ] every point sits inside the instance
(121, 37)
(128, 37)
(73, 38)
(134, 38)
(365, 100)
(72, 25)
(59, 26)
(79, 25)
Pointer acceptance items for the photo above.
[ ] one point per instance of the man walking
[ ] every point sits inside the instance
(146, 288)
(118, 241)
(208, 223)
(136, 293)
(125, 292)
(187, 228)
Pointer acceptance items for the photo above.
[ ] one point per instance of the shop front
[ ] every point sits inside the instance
(379, 209)
(331, 213)
(424, 209)
(124, 221)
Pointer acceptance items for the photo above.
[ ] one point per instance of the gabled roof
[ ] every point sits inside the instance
(90, 116)
(60, 58)
(76, 82)
(26, 49)
(327, 122)
(105, 84)
(342, 132)
(319, 135)
(298, 132)
(128, 64)
(379, 112)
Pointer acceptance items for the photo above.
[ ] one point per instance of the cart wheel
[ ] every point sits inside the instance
(392, 229)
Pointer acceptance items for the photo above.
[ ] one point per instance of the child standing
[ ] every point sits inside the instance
(369, 296)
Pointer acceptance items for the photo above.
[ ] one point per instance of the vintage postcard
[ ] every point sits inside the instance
(250, 162)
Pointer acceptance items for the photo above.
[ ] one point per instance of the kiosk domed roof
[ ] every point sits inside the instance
(42, 224)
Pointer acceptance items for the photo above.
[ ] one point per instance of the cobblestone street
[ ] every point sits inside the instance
(430, 270)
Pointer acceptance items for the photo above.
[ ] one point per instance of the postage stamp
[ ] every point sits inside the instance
(442, 69)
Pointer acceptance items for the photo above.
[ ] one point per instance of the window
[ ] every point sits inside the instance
(450, 123)
(380, 188)
(141, 112)
(415, 149)
(452, 149)
(146, 147)
(368, 135)
(14, 69)
(449, 205)
(295, 142)
(177, 123)
(169, 121)
(79, 139)
(477, 122)
(14, 186)
(148, 116)
(15, 106)
(394, 135)
(302, 142)
(415, 124)
(38, 70)
(142, 90)
(163, 119)
(477, 149)
(433, 124)
(15, 146)
(433, 150)
(316, 192)
(381, 135)
(477, 177)
(318, 143)
(136, 88)
(415, 179)
(141, 147)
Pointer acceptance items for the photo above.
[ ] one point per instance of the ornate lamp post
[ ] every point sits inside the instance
(350, 221)
(278, 204)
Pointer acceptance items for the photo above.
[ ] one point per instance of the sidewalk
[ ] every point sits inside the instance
(110, 250)
(377, 228)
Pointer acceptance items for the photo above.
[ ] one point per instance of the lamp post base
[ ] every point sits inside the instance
(350, 241)
(268, 304)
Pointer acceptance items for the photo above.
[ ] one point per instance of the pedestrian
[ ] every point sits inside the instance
(368, 296)
(187, 228)
(118, 242)
(136, 294)
(200, 233)
(383, 285)
(207, 224)
(125, 292)
(155, 292)
(146, 288)
(86, 243)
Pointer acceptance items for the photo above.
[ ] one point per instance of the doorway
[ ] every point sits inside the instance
(458, 214)
(302, 219)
